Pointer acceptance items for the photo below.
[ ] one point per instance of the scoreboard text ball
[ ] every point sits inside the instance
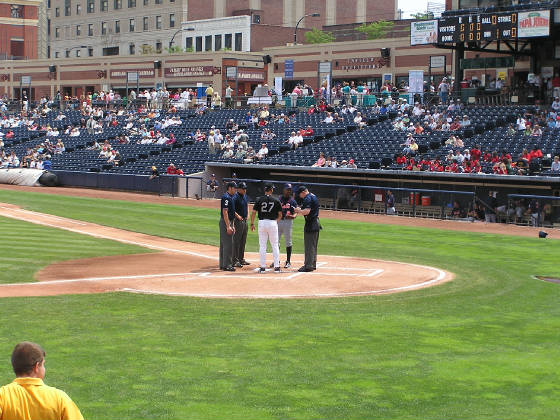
(472, 28)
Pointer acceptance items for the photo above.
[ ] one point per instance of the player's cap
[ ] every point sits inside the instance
(301, 189)
(268, 187)
(287, 186)
(242, 185)
(231, 184)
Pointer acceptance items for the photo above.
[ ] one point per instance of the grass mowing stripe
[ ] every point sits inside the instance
(484, 345)
(27, 247)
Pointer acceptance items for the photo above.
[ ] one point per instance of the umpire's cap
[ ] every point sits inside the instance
(231, 184)
(301, 189)
(287, 186)
(268, 187)
(242, 185)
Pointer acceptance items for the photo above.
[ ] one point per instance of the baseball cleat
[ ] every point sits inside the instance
(276, 269)
(287, 265)
(245, 262)
(262, 270)
(271, 265)
(238, 265)
(229, 268)
(304, 269)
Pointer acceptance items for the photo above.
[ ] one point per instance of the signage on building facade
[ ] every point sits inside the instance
(365, 63)
(121, 74)
(250, 75)
(288, 69)
(423, 32)
(189, 71)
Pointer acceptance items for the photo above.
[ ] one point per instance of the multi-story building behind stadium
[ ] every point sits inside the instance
(81, 28)
(22, 29)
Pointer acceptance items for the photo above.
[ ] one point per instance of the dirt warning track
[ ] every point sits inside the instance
(188, 269)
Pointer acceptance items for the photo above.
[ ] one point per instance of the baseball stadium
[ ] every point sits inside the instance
(332, 243)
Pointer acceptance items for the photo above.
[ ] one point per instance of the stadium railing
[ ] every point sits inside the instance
(410, 202)
(521, 210)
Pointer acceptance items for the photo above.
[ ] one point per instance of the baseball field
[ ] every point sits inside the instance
(484, 345)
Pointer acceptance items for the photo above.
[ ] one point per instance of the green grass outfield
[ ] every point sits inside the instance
(483, 346)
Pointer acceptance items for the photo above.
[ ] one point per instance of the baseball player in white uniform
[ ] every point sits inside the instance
(270, 211)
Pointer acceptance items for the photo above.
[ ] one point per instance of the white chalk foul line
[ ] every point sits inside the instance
(441, 276)
(50, 216)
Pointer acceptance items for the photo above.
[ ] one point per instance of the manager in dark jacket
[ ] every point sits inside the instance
(310, 210)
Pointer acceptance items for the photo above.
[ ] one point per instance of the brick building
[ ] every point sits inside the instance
(20, 29)
(95, 28)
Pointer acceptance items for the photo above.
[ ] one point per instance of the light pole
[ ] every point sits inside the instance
(79, 47)
(176, 33)
(299, 21)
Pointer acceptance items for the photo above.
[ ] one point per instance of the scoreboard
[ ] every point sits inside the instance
(483, 27)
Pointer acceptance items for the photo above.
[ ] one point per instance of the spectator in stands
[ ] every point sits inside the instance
(352, 164)
(228, 153)
(465, 122)
(171, 169)
(556, 103)
(455, 125)
(535, 153)
(536, 132)
(321, 162)
(308, 132)
(263, 152)
(155, 173)
(555, 167)
(250, 156)
(443, 90)
(328, 119)
(59, 148)
(411, 148)
(521, 123)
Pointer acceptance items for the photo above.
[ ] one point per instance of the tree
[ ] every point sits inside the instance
(316, 36)
(174, 49)
(423, 16)
(376, 30)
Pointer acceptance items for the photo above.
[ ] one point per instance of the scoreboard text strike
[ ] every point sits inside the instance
(484, 27)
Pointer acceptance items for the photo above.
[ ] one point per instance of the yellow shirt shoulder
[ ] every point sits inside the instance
(30, 398)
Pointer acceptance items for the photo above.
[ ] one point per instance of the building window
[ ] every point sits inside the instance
(158, 47)
(145, 24)
(48, 4)
(171, 1)
(238, 41)
(117, 4)
(48, 27)
(67, 8)
(57, 55)
(103, 28)
(90, 29)
(90, 52)
(78, 30)
(158, 22)
(172, 20)
(198, 43)
(78, 53)
(117, 26)
(111, 51)
(131, 3)
(78, 9)
(57, 32)
(131, 49)
(146, 2)
(227, 42)
(188, 43)
(67, 53)
(131, 25)
(257, 19)
(57, 12)
(217, 42)
(208, 43)
(90, 6)
(104, 5)
(158, 1)
(48, 51)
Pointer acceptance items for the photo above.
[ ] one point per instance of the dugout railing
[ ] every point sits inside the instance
(532, 210)
(410, 202)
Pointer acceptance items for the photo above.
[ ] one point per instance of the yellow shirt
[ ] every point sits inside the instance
(209, 91)
(30, 398)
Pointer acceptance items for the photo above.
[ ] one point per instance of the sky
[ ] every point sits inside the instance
(412, 6)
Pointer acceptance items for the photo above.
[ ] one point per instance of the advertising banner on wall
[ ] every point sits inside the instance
(415, 84)
(533, 23)
(423, 32)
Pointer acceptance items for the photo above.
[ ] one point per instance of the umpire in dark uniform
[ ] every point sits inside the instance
(310, 210)
(227, 215)
(241, 205)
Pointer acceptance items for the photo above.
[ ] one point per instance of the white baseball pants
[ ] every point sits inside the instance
(268, 231)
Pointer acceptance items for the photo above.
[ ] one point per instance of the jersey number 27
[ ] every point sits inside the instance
(267, 207)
